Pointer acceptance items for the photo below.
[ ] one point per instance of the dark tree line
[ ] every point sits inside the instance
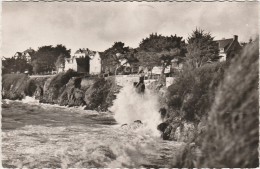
(158, 50)
(155, 50)
(43, 60)
(112, 56)
(14, 65)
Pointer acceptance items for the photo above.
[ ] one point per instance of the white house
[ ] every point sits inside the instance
(61, 68)
(95, 63)
(158, 70)
(84, 61)
(176, 65)
(79, 62)
(70, 63)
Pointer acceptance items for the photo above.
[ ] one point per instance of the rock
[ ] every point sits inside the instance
(201, 127)
(185, 132)
(38, 92)
(163, 112)
(138, 121)
(167, 133)
(132, 126)
(161, 127)
(123, 125)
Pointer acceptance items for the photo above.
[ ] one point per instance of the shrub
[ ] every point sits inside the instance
(194, 90)
(231, 136)
(97, 93)
(101, 94)
(55, 86)
(62, 79)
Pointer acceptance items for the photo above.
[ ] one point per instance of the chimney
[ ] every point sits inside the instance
(235, 37)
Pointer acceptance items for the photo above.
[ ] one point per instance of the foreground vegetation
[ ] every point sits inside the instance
(215, 110)
(231, 137)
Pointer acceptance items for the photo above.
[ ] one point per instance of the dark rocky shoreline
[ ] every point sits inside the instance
(95, 93)
(65, 89)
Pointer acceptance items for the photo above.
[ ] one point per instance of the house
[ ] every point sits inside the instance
(94, 63)
(84, 61)
(119, 63)
(27, 55)
(60, 68)
(176, 65)
(228, 48)
(79, 62)
(158, 70)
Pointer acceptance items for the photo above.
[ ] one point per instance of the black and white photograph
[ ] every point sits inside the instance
(133, 84)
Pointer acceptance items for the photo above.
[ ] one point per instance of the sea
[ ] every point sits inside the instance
(37, 135)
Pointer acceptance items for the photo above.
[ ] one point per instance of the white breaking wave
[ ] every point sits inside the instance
(130, 106)
(67, 137)
(30, 100)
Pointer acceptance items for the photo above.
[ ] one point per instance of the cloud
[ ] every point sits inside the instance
(98, 25)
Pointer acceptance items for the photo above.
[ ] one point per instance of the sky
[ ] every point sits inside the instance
(97, 25)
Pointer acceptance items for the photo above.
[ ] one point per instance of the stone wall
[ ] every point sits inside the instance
(123, 80)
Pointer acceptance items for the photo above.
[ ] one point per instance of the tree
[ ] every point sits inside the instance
(201, 48)
(60, 61)
(62, 50)
(129, 58)
(14, 65)
(36, 67)
(8, 65)
(158, 50)
(111, 57)
(46, 56)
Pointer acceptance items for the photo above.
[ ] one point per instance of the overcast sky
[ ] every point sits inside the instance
(98, 25)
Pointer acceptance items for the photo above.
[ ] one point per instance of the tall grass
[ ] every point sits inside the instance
(231, 138)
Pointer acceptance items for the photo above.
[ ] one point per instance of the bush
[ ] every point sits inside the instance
(97, 93)
(72, 94)
(54, 86)
(231, 137)
(194, 91)
(62, 79)
(101, 94)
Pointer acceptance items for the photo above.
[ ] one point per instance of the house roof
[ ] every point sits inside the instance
(30, 50)
(229, 44)
(19, 54)
(81, 51)
(86, 52)
(224, 43)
